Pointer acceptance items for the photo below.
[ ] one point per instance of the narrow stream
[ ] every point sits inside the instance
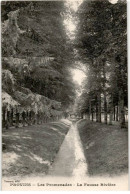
(70, 160)
(80, 167)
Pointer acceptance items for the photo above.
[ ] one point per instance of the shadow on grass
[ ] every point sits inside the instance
(33, 147)
(105, 148)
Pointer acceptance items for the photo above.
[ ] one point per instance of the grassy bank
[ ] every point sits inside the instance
(31, 150)
(105, 148)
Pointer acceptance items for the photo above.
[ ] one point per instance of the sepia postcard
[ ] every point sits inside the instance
(64, 95)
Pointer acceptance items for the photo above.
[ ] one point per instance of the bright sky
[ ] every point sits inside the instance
(73, 4)
(70, 24)
(113, 1)
(78, 76)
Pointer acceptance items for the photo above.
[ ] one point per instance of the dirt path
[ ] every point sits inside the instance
(70, 160)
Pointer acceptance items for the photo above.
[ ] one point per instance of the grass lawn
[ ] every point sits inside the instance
(31, 150)
(105, 148)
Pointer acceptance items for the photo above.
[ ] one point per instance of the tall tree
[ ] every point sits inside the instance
(101, 37)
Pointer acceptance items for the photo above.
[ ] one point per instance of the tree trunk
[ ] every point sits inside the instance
(38, 118)
(111, 115)
(99, 107)
(30, 118)
(92, 115)
(11, 117)
(105, 99)
(111, 110)
(105, 109)
(17, 119)
(90, 110)
(28, 122)
(23, 118)
(96, 109)
(117, 113)
(122, 110)
(114, 113)
(3, 117)
(8, 120)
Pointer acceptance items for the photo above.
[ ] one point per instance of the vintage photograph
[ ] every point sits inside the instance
(64, 95)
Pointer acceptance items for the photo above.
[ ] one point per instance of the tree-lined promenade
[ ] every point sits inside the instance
(37, 56)
(102, 46)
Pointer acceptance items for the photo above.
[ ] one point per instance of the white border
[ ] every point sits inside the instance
(128, 28)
